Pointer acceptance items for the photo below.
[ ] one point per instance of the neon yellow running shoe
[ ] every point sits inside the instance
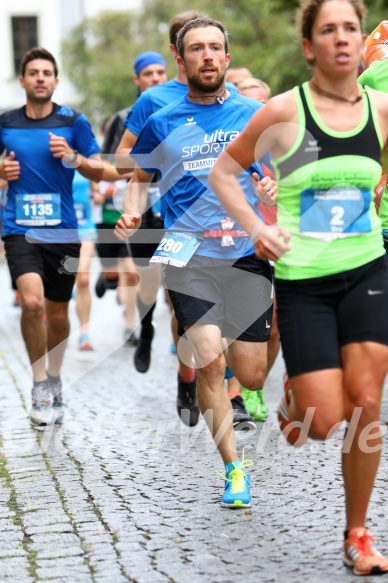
(262, 409)
(237, 485)
(255, 404)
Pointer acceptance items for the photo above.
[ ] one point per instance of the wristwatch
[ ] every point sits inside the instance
(74, 159)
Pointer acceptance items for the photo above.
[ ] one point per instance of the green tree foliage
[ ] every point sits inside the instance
(98, 56)
(262, 35)
(377, 11)
(98, 59)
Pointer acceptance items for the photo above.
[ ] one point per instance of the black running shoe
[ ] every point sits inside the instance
(186, 402)
(103, 283)
(142, 357)
(242, 421)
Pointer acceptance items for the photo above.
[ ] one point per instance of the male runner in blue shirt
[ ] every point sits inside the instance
(148, 103)
(43, 143)
(221, 292)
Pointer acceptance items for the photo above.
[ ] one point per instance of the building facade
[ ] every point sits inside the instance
(28, 23)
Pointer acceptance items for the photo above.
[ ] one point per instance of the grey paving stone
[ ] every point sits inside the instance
(58, 527)
(58, 552)
(16, 567)
(118, 464)
(44, 518)
(11, 537)
(7, 552)
(89, 528)
(8, 527)
(53, 539)
(54, 572)
(62, 562)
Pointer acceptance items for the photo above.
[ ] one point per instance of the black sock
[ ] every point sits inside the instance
(145, 314)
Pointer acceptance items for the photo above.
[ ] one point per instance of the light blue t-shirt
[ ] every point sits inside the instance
(154, 99)
(83, 209)
(181, 143)
(151, 101)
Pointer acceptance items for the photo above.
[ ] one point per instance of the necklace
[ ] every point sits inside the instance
(324, 93)
(219, 98)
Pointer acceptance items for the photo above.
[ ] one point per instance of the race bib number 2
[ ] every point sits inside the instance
(176, 248)
(38, 210)
(335, 213)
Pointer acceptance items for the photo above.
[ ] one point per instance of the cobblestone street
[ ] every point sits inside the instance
(123, 492)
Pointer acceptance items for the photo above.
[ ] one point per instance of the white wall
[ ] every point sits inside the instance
(55, 19)
(92, 7)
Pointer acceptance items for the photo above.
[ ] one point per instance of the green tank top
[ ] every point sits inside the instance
(110, 215)
(376, 76)
(325, 194)
(112, 208)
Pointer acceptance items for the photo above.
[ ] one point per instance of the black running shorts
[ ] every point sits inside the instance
(53, 262)
(316, 317)
(235, 295)
(109, 247)
(142, 251)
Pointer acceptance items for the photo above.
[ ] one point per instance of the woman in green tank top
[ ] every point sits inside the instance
(331, 276)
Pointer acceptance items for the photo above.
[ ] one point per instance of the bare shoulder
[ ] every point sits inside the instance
(381, 101)
(381, 98)
(283, 106)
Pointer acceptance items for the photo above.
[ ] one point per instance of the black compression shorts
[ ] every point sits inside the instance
(317, 316)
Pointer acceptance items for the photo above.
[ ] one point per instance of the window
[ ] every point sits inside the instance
(24, 38)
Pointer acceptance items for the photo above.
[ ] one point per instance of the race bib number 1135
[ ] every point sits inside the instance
(38, 210)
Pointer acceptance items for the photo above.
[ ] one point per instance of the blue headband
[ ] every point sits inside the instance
(145, 59)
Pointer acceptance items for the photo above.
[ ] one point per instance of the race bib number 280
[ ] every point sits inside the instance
(176, 248)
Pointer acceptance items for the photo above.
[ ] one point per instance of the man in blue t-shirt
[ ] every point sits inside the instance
(150, 102)
(42, 144)
(149, 70)
(221, 292)
(142, 250)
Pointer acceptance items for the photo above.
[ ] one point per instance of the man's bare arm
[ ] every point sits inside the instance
(135, 202)
(124, 162)
(136, 195)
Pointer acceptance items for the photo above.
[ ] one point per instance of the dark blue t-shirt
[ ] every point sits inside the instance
(40, 173)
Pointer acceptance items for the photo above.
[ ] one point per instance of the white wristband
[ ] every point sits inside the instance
(254, 236)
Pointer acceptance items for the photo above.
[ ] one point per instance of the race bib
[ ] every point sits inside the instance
(335, 213)
(80, 211)
(176, 248)
(38, 209)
